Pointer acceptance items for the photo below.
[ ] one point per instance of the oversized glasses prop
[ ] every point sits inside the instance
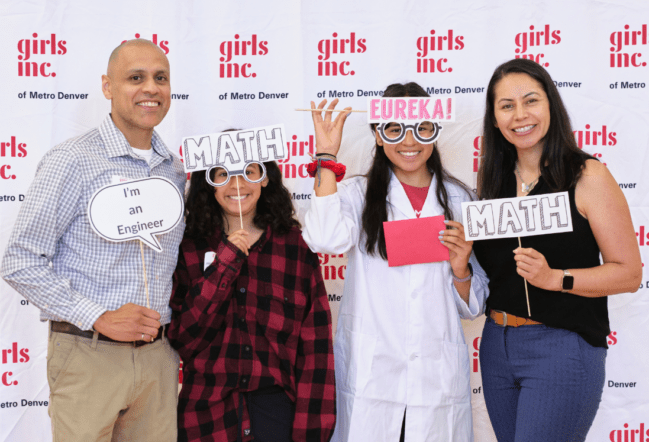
(425, 132)
(421, 115)
(226, 154)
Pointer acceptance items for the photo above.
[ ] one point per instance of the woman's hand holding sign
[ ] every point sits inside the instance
(532, 266)
(459, 251)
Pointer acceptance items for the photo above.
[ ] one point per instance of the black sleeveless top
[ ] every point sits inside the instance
(571, 250)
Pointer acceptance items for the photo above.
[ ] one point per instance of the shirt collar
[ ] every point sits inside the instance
(263, 239)
(116, 144)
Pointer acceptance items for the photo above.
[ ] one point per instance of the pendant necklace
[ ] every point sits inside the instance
(525, 188)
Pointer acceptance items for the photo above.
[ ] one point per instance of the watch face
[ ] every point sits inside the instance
(568, 281)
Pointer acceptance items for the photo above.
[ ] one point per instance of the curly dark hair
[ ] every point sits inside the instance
(375, 211)
(204, 215)
(562, 161)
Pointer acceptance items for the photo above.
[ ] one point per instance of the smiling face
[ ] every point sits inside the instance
(408, 157)
(137, 84)
(522, 111)
(248, 193)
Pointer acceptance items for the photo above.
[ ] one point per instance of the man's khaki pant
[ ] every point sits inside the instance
(104, 391)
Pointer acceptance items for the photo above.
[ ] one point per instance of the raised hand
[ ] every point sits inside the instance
(328, 133)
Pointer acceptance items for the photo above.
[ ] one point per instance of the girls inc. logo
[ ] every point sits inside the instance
(296, 149)
(628, 434)
(164, 44)
(436, 44)
(335, 46)
(475, 359)
(477, 152)
(10, 149)
(13, 355)
(643, 239)
(621, 40)
(240, 48)
(330, 271)
(591, 137)
(28, 49)
(533, 40)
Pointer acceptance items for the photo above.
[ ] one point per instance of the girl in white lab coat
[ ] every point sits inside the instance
(402, 365)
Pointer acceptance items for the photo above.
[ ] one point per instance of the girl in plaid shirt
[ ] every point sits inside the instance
(251, 317)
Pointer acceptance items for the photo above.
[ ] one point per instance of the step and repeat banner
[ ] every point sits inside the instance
(242, 64)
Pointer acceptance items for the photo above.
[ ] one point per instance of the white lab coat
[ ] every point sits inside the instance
(399, 341)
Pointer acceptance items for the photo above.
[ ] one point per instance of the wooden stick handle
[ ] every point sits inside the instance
(328, 110)
(239, 201)
(146, 283)
(527, 295)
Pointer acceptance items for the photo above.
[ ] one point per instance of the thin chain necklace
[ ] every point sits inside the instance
(525, 188)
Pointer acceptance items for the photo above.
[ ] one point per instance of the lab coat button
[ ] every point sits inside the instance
(414, 295)
(413, 357)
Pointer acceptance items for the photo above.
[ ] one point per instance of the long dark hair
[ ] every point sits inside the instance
(375, 211)
(205, 215)
(561, 161)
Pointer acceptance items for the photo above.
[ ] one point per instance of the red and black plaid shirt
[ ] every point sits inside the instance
(247, 323)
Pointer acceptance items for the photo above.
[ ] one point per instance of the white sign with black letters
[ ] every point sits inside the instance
(517, 217)
(234, 150)
(136, 209)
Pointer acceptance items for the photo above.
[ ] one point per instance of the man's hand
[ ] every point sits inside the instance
(130, 322)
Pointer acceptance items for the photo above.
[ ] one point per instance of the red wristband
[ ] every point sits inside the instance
(337, 168)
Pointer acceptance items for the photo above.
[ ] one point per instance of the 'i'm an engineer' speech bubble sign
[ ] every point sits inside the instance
(517, 217)
(136, 209)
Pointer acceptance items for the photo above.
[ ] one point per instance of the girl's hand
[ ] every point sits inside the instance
(240, 239)
(459, 249)
(328, 133)
(532, 266)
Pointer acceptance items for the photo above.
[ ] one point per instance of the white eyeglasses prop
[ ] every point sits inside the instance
(254, 172)
(425, 132)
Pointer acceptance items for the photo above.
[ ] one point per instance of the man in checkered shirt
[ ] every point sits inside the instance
(111, 371)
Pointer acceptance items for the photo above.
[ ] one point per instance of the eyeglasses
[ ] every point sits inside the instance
(425, 132)
(218, 176)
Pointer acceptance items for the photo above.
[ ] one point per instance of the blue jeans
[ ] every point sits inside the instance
(540, 383)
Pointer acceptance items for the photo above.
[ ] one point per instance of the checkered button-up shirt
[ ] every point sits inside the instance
(247, 323)
(55, 259)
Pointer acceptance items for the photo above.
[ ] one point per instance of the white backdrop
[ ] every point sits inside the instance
(53, 54)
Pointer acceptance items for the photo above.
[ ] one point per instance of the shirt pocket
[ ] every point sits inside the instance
(455, 376)
(281, 310)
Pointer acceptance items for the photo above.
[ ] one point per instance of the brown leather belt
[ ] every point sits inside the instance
(69, 329)
(506, 319)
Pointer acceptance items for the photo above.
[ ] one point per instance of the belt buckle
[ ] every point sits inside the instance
(504, 318)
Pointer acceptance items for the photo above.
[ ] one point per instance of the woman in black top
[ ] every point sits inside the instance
(543, 374)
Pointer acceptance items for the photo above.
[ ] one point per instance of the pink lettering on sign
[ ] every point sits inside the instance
(438, 112)
(375, 105)
(386, 109)
(413, 109)
(401, 107)
(423, 111)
